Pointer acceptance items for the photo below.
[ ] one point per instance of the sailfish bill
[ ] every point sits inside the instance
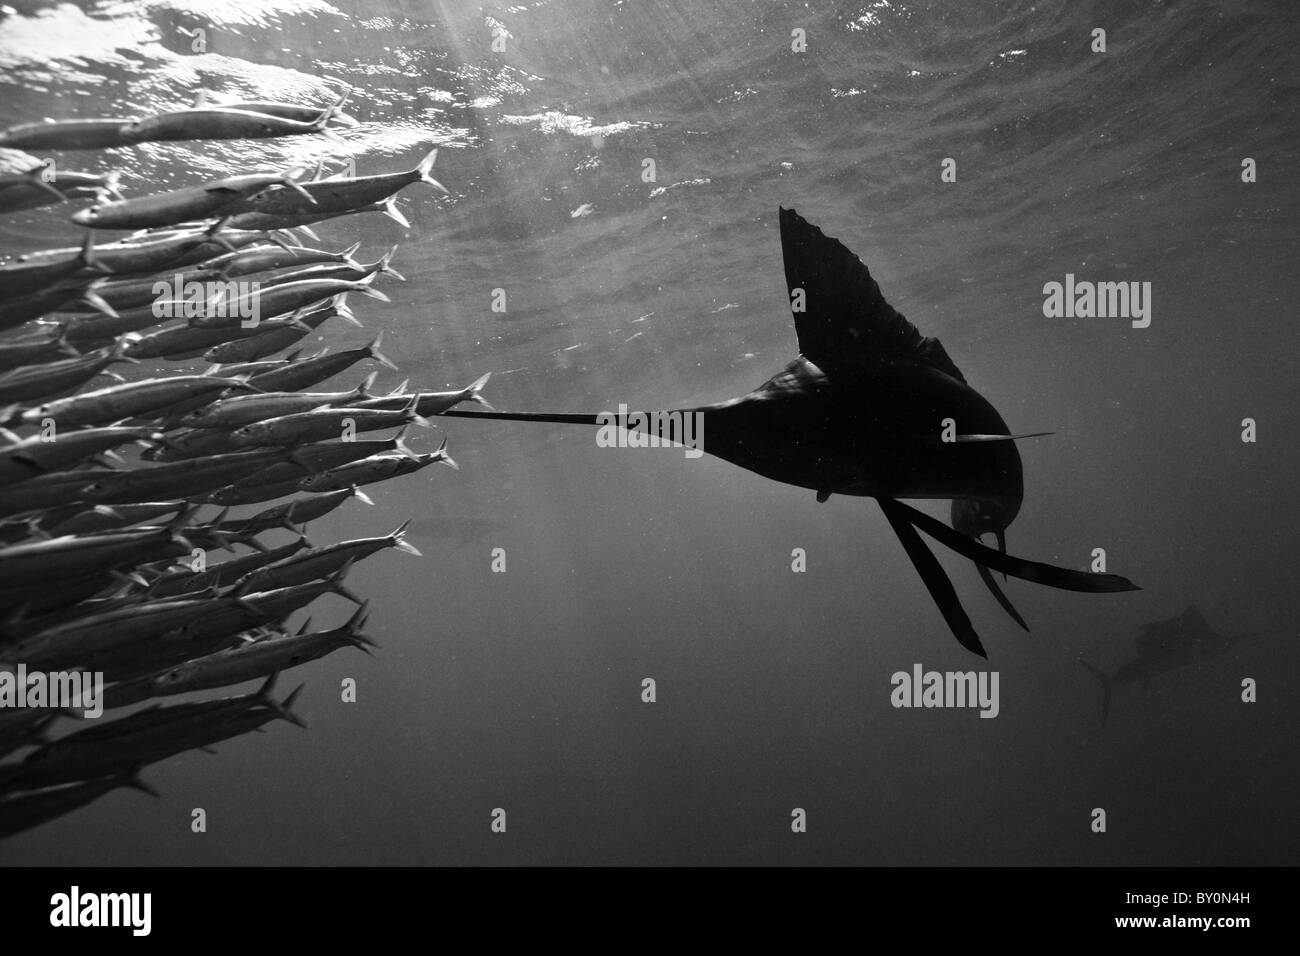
(556, 419)
(872, 408)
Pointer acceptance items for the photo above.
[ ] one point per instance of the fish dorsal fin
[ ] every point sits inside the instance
(844, 314)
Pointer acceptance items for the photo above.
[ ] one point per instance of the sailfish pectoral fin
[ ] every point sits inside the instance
(1002, 599)
(1002, 547)
(979, 439)
(936, 581)
(1046, 574)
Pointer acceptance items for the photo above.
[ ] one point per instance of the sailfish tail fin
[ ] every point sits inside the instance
(1107, 685)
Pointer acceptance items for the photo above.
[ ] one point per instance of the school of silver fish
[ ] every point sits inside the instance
(120, 552)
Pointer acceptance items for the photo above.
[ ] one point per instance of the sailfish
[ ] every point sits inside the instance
(872, 408)
(1164, 646)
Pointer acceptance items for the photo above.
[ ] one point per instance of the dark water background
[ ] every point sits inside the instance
(522, 690)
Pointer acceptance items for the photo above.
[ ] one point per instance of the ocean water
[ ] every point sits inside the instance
(522, 690)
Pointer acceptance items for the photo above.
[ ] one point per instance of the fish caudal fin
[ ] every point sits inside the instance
(362, 391)
(346, 256)
(389, 208)
(387, 269)
(290, 181)
(1107, 685)
(284, 708)
(398, 537)
(133, 780)
(353, 628)
(336, 111)
(379, 356)
(411, 411)
(473, 391)
(365, 288)
(442, 456)
(426, 167)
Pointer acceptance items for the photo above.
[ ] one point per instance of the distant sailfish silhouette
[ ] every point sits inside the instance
(1164, 646)
(861, 411)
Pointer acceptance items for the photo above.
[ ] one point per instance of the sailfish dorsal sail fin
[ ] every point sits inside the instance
(844, 314)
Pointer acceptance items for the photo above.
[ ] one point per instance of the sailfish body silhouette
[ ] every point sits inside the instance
(1164, 646)
(863, 410)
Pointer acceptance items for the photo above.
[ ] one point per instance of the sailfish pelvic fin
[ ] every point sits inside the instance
(1047, 574)
(1002, 599)
(936, 581)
